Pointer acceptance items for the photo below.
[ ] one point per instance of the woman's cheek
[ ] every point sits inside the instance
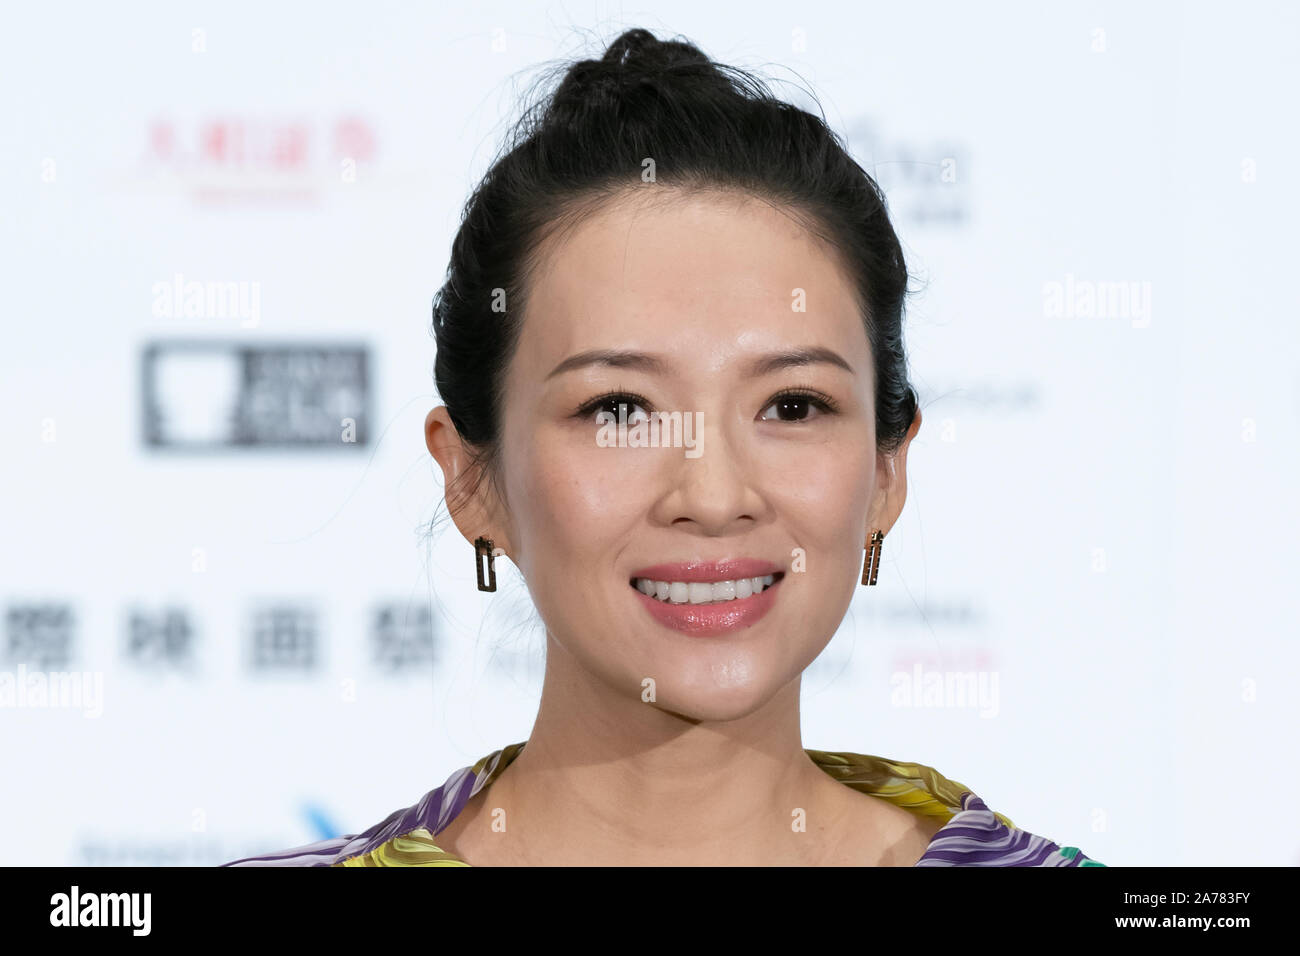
(817, 484)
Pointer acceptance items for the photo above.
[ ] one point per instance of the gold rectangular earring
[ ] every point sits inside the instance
(871, 564)
(484, 546)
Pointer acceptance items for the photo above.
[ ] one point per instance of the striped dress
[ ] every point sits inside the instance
(973, 835)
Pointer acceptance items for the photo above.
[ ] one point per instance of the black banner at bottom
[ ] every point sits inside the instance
(845, 906)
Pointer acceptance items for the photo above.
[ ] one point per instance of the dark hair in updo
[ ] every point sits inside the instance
(707, 126)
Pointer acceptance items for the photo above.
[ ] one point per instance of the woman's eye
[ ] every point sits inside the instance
(786, 407)
(629, 405)
(793, 407)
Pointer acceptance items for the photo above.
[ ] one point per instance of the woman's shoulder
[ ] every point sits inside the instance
(405, 837)
(972, 834)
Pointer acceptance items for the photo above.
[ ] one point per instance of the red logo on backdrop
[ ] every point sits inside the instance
(244, 157)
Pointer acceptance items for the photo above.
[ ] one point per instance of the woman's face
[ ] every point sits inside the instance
(704, 288)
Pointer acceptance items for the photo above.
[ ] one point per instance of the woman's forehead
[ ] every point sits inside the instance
(707, 265)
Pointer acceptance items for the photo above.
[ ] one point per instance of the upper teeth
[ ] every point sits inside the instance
(702, 592)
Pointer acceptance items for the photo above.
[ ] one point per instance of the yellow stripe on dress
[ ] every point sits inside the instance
(912, 786)
(411, 849)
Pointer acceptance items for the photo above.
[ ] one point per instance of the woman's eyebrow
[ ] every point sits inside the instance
(613, 358)
(645, 362)
(812, 355)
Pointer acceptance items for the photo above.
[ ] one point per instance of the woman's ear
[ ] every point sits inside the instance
(891, 483)
(471, 497)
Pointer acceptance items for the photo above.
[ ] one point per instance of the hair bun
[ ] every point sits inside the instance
(640, 51)
(634, 58)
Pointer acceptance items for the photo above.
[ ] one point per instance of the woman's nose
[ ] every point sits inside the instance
(716, 487)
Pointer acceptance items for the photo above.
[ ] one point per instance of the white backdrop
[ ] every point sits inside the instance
(1101, 514)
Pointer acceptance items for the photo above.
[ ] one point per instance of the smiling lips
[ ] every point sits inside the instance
(708, 598)
(702, 592)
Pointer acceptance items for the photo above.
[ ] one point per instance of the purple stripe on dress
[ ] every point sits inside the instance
(320, 853)
(434, 811)
(976, 837)
(431, 813)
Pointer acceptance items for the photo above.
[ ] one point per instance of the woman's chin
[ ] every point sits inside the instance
(692, 699)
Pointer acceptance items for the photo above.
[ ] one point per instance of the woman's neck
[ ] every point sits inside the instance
(612, 780)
